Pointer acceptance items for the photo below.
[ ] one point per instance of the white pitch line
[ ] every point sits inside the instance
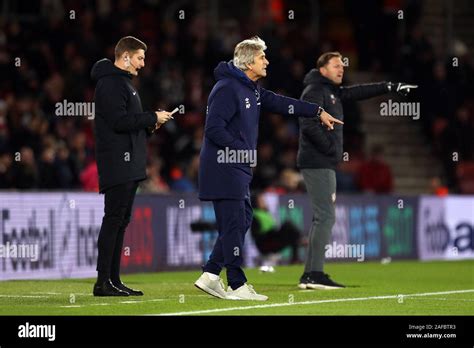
(446, 299)
(284, 304)
(203, 295)
(109, 304)
(72, 306)
(25, 296)
(156, 300)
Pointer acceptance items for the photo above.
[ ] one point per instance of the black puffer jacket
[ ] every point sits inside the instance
(318, 147)
(120, 126)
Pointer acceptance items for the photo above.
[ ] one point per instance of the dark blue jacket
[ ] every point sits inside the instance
(233, 112)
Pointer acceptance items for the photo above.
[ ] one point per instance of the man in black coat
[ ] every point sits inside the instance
(320, 151)
(121, 129)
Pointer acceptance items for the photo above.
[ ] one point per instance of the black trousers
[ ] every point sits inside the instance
(117, 213)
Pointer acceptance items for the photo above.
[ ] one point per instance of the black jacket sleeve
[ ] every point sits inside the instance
(312, 127)
(149, 131)
(365, 91)
(112, 99)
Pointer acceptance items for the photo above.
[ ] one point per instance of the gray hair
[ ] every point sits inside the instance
(245, 51)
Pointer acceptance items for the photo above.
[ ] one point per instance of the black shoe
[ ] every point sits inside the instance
(108, 289)
(321, 281)
(304, 280)
(123, 287)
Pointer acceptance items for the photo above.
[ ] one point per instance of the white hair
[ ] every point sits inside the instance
(246, 50)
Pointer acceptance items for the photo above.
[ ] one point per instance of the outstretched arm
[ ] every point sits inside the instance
(365, 91)
(289, 106)
(369, 90)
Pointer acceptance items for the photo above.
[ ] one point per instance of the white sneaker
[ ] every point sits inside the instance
(212, 287)
(266, 269)
(245, 292)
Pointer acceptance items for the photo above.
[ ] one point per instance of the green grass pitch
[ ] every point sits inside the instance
(397, 288)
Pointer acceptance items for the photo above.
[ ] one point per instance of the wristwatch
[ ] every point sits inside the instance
(319, 112)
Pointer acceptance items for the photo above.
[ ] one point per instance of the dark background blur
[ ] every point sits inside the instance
(59, 41)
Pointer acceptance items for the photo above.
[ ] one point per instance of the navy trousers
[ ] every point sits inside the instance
(233, 218)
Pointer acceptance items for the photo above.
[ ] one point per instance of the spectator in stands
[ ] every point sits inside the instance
(180, 181)
(154, 182)
(268, 236)
(290, 181)
(375, 175)
(54, 65)
(348, 169)
(462, 130)
(25, 173)
(437, 188)
(267, 169)
(6, 175)
(47, 171)
(455, 142)
(4, 131)
(89, 177)
(65, 170)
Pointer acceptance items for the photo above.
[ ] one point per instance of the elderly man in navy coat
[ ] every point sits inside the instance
(227, 155)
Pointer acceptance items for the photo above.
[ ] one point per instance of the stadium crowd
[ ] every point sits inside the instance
(46, 56)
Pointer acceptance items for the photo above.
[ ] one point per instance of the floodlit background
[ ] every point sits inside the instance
(48, 48)
(48, 175)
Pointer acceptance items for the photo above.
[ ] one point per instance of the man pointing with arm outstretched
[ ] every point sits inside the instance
(233, 113)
